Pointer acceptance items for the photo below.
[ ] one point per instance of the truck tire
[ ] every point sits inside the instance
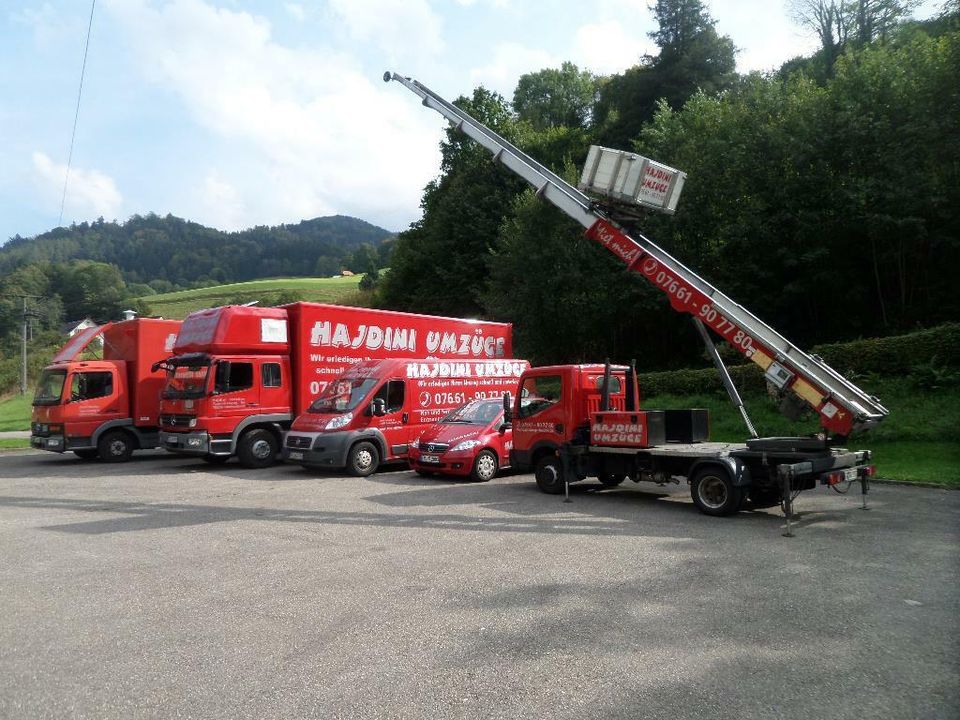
(549, 475)
(611, 479)
(86, 453)
(257, 448)
(485, 467)
(714, 493)
(115, 446)
(363, 459)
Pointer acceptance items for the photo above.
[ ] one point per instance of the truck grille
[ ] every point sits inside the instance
(298, 441)
(434, 447)
(176, 420)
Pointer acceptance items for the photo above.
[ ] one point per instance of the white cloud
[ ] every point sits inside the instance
(313, 134)
(510, 61)
(404, 30)
(90, 193)
(296, 11)
(606, 48)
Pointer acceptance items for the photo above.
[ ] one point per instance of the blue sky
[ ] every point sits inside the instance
(237, 113)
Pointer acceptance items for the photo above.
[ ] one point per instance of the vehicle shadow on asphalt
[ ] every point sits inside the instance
(136, 517)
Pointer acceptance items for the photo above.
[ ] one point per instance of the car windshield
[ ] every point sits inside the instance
(342, 395)
(478, 412)
(50, 387)
(186, 381)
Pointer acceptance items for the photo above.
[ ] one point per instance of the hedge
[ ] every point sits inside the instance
(914, 354)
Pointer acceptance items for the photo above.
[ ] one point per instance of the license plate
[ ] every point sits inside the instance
(850, 474)
(295, 455)
(430, 458)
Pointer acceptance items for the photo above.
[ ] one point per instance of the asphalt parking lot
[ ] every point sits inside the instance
(168, 588)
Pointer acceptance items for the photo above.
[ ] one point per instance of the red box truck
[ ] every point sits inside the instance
(374, 411)
(109, 407)
(240, 375)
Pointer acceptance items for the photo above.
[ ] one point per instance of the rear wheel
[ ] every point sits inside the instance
(115, 446)
(549, 475)
(611, 479)
(714, 492)
(485, 466)
(363, 459)
(257, 448)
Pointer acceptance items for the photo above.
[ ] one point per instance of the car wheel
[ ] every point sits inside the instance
(257, 448)
(714, 492)
(363, 459)
(549, 475)
(485, 467)
(115, 446)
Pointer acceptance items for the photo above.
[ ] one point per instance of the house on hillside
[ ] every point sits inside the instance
(346, 273)
(72, 327)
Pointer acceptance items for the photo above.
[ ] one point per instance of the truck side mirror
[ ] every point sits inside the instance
(378, 408)
(504, 426)
(507, 409)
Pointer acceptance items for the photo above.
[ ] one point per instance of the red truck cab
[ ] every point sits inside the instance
(104, 408)
(471, 440)
(375, 411)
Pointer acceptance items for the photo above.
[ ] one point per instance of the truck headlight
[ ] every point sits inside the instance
(465, 445)
(339, 421)
(192, 423)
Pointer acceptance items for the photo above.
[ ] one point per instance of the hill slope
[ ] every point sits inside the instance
(152, 248)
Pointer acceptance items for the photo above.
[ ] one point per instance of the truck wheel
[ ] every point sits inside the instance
(714, 492)
(115, 446)
(485, 466)
(257, 448)
(86, 453)
(611, 479)
(549, 475)
(363, 459)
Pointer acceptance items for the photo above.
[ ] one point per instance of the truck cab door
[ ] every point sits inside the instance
(236, 389)
(94, 397)
(540, 416)
(395, 423)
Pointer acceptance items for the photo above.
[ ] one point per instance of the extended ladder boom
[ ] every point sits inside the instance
(842, 406)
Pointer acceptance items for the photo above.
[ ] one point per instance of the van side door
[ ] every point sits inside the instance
(395, 423)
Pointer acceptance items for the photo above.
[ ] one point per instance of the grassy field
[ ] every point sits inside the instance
(178, 305)
(15, 412)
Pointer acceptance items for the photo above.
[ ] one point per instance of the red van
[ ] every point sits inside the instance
(472, 440)
(374, 411)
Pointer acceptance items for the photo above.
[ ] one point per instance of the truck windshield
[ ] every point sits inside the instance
(478, 412)
(342, 395)
(186, 381)
(50, 387)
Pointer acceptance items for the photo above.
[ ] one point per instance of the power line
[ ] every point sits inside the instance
(76, 114)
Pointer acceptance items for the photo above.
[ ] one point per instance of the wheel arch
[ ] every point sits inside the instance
(736, 469)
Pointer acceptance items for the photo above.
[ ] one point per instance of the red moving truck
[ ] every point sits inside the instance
(374, 411)
(471, 440)
(109, 407)
(571, 422)
(241, 374)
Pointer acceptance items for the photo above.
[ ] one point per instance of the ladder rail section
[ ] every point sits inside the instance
(842, 406)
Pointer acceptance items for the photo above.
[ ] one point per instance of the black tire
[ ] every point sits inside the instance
(549, 475)
(714, 493)
(115, 446)
(363, 459)
(86, 453)
(485, 466)
(611, 479)
(424, 473)
(257, 448)
(216, 459)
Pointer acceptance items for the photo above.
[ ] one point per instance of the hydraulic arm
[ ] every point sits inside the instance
(841, 405)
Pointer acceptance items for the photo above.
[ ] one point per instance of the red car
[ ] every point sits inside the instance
(471, 440)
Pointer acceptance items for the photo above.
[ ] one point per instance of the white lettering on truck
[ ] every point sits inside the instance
(371, 337)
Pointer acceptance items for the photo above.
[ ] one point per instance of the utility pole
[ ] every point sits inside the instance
(27, 314)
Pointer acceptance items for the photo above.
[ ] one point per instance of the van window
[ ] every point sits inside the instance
(233, 376)
(392, 394)
(539, 393)
(270, 375)
(90, 385)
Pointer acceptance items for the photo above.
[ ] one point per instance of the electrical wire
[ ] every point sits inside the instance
(76, 114)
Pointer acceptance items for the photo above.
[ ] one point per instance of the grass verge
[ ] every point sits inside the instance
(14, 443)
(15, 412)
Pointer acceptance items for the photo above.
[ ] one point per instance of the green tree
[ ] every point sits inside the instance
(551, 97)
